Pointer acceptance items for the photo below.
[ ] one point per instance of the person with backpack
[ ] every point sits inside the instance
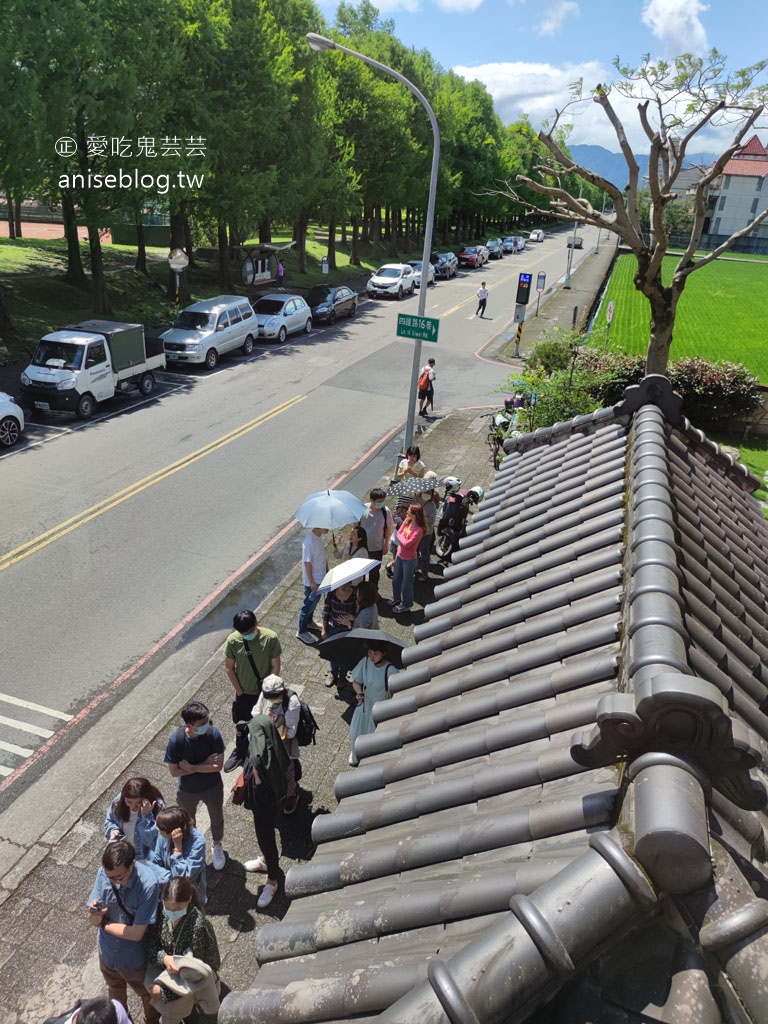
(265, 772)
(284, 708)
(370, 681)
(378, 523)
(427, 376)
(251, 653)
(195, 756)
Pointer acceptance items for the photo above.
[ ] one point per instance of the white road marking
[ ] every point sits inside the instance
(26, 727)
(8, 699)
(13, 749)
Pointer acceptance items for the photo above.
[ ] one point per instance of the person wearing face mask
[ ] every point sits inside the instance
(378, 523)
(251, 653)
(429, 508)
(179, 850)
(131, 816)
(181, 935)
(195, 756)
(370, 681)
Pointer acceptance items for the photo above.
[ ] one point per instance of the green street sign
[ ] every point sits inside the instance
(422, 328)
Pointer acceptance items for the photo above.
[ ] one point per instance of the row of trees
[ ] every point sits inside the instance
(288, 135)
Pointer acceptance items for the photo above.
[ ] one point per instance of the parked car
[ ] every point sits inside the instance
(520, 242)
(485, 254)
(471, 256)
(537, 235)
(279, 315)
(11, 421)
(328, 302)
(211, 328)
(393, 280)
(508, 244)
(416, 264)
(495, 251)
(445, 264)
(575, 242)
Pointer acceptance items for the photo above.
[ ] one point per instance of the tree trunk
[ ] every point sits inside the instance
(189, 247)
(177, 242)
(265, 231)
(332, 243)
(101, 304)
(141, 246)
(344, 232)
(11, 219)
(17, 216)
(6, 327)
(300, 235)
(75, 273)
(354, 248)
(663, 301)
(225, 262)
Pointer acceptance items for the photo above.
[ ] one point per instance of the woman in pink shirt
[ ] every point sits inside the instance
(408, 537)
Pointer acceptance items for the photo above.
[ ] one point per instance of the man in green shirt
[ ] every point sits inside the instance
(251, 653)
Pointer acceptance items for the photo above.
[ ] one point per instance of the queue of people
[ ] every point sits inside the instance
(148, 900)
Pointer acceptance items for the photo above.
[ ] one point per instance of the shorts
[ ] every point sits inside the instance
(423, 392)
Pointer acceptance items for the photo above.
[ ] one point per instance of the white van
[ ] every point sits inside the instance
(206, 330)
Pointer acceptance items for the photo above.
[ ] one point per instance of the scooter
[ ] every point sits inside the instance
(455, 508)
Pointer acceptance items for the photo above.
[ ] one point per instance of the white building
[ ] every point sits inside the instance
(740, 193)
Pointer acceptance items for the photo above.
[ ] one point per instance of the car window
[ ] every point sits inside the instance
(97, 353)
(234, 316)
(320, 293)
(189, 320)
(223, 321)
(245, 311)
(269, 307)
(387, 272)
(291, 306)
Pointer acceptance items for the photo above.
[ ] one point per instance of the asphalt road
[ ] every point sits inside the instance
(121, 534)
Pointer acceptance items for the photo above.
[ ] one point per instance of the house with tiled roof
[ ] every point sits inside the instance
(740, 193)
(561, 815)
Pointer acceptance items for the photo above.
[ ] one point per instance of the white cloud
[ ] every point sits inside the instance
(677, 24)
(459, 6)
(555, 15)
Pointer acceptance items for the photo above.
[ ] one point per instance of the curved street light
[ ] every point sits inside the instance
(320, 43)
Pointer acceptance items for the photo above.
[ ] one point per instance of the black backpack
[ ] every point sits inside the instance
(307, 728)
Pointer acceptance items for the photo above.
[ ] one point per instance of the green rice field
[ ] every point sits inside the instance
(722, 314)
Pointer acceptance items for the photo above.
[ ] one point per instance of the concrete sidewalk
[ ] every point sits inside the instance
(48, 951)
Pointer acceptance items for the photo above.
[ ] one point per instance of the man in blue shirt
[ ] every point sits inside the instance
(195, 756)
(122, 905)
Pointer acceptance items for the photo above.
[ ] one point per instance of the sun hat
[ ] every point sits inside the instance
(273, 687)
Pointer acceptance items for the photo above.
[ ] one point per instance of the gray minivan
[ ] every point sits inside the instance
(206, 330)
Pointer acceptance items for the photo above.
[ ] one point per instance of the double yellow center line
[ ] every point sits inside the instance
(56, 532)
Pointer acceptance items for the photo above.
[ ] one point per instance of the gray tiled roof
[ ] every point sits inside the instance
(563, 801)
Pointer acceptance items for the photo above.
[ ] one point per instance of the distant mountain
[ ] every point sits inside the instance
(613, 167)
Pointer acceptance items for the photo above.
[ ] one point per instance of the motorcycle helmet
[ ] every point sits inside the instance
(451, 483)
(476, 494)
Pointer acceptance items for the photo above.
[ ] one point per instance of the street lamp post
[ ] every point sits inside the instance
(319, 43)
(569, 260)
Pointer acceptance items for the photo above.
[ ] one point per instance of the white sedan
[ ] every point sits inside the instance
(537, 235)
(11, 421)
(416, 264)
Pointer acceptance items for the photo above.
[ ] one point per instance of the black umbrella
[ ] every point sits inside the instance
(348, 648)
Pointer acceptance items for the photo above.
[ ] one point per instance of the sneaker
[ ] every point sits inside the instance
(233, 761)
(291, 803)
(306, 638)
(398, 609)
(259, 864)
(267, 895)
(389, 571)
(219, 857)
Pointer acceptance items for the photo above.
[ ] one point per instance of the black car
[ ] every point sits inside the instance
(328, 302)
(495, 250)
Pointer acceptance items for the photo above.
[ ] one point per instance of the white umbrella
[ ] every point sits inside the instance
(329, 510)
(346, 572)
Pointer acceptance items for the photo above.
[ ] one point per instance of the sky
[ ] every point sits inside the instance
(528, 52)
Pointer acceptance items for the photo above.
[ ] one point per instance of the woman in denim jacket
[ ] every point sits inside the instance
(131, 816)
(180, 850)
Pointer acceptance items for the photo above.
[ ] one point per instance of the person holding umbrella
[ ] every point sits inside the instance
(370, 681)
(339, 614)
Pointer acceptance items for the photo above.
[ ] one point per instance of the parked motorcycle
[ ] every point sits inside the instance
(454, 510)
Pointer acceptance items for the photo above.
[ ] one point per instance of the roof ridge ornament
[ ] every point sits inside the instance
(655, 389)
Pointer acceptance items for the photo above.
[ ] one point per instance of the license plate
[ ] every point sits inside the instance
(43, 405)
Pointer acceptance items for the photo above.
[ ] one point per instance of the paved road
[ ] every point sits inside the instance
(121, 533)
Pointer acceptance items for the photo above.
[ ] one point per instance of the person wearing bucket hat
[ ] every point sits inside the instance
(284, 708)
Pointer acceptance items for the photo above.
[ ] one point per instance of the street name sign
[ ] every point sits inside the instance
(420, 328)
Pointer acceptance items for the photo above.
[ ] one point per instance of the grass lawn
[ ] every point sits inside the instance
(39, 301)
(722, 314)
